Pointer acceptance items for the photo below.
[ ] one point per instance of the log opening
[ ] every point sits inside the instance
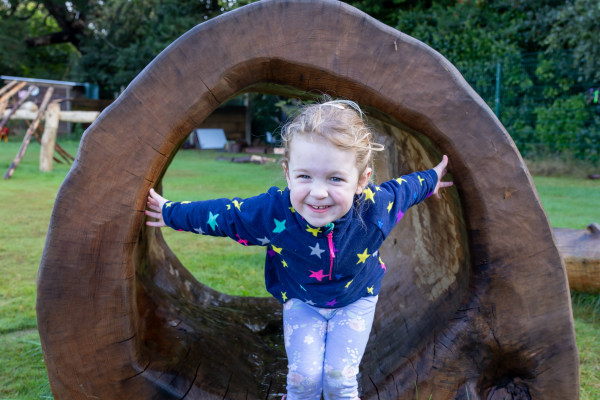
(120, 317)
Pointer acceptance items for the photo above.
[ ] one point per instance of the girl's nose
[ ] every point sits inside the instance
(318, 190)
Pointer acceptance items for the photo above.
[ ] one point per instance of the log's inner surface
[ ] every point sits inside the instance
(188, 329)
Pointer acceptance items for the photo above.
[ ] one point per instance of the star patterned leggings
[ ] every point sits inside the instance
(324, 347)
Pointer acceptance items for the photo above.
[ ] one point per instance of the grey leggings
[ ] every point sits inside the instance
(324, 347)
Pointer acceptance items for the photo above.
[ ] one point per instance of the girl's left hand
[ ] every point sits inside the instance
(441, 170)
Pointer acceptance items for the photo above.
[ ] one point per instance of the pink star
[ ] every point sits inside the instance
(399, 216)
(317, 275)
(242, 241)
(331, 303)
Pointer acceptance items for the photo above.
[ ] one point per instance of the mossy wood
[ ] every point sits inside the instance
(475, 303)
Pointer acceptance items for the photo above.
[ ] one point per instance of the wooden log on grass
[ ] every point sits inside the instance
(475, 302)
(580, 249)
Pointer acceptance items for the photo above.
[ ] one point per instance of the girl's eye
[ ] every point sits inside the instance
(336, 179)
(303, 177)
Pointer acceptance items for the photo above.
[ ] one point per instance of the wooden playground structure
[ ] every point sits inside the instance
(14, 94)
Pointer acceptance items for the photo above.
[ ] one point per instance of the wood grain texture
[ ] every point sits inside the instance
(475, 304)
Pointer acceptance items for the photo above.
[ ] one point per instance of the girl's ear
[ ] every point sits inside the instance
(363, 180)
(284, 165)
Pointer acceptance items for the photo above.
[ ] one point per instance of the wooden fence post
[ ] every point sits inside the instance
(49, 136)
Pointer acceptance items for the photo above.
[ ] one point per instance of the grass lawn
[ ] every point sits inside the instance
(27, 200)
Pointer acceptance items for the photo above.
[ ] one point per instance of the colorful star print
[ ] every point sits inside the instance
(380, 223)
(241, 241)
(382, 265)
(349, 283)
(399, 216)
(284, 296)
(370, 290)
(421, 180)
(199, 230)
(212, 220)
(390, 205)
(363, 257)
(185, 202)
(168, 204)
(277, 249)
(369, 195)
(238, 205)
(279, 225)
(318, 275)
(314, 231)
(292, 209)
(264, 241)
(284, 263)
(316, 251)
(331, 303)
(400, 180)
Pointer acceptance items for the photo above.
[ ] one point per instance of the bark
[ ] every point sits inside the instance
(465, 310)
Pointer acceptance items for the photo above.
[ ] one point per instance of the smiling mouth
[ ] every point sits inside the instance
(319, 208)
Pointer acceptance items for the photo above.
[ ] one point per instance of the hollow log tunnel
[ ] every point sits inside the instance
(464, 310)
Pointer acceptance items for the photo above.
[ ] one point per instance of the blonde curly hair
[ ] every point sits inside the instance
(341, 122)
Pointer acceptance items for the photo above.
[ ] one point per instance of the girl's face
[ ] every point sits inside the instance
(322, 179)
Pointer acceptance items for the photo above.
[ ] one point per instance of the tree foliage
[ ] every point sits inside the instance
(548, 51)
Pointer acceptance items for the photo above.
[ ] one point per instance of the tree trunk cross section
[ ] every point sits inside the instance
(475, 303)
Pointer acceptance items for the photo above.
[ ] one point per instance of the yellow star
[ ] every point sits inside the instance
(284, 296)
(229, 206)
(363, 257)
(377, 188)
(421, 180)
(292, 209)
(280, 191)
(369, 195)
(185, 202)
(348, 284)
(238, 205)
(284, 263)
(277, 249)
(400, 180)
(389, 207)
(370, 289)
(169, 204)
(314, 231)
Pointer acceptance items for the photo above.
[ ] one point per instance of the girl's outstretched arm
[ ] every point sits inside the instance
(441, 170)
(155, 202)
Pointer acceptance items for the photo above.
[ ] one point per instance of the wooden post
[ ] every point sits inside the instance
(29, 134)
(6, 87)
(49, 136)
(18, 104)
(12, 91)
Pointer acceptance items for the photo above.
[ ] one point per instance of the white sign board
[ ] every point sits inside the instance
(211, 138)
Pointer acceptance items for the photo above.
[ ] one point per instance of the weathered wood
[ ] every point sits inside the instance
(580, 249)
(464, 310)
(16, 106)
(10, 93)
(48, 147)
(28, 134)
(84, 117)
(6, 87)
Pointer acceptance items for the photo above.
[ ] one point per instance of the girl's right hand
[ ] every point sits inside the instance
(155, 202)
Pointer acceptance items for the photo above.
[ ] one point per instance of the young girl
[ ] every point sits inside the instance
(322, 234)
